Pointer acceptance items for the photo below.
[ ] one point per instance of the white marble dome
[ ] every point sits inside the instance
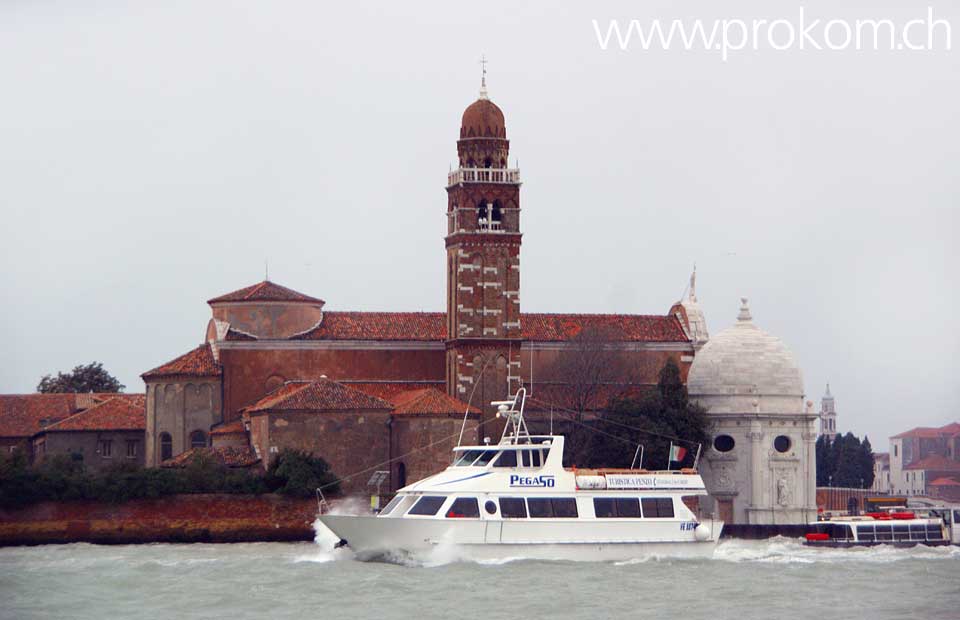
(743, 369)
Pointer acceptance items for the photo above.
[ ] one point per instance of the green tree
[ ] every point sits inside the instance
(91, 377)
(300, 474)
(650, 420)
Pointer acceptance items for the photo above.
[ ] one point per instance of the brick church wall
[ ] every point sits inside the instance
(249, 374)
(348, 441)
(412, 437)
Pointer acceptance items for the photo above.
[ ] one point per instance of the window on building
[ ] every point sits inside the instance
(781, 443)
(428, 505)
(132, 448)
(657, 507)
(166, 446)
(105, 448)
(513, 508)
(723, 443)
(464, 508)
(401, 475)
(198, 439)
(894, 450)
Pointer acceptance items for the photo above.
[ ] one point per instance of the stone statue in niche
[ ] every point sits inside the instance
(783, 492)
(723, 478)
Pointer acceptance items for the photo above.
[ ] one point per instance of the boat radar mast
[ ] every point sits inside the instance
(512, 412)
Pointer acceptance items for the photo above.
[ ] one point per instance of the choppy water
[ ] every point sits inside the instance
(744, 580)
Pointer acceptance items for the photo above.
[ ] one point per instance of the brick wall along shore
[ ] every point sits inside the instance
(178, 518)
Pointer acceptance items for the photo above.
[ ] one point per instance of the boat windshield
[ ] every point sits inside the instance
(467, 458)
(477, 458)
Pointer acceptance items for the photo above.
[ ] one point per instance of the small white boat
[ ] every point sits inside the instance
(900, 527)
(515, 499)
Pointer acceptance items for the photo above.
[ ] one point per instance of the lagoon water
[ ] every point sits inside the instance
(745, 579)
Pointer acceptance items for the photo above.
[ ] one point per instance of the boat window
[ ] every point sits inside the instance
(628, 507)
(901, 532)
(535, 456)
(513, 508)
(540, 507)
(564, 507)
(428, 505)
(464, 508)
(865, 533)
(467, 457)
(657, 507)
(840, 531)
(393, 504)
(934, 532)
(490, 506)
(918, 531)
(884, 532)
(485, 457)
(508, 458)
(525, 456)
(604, 507)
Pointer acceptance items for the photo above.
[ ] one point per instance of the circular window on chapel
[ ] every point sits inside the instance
(782, 443)
(723, 443)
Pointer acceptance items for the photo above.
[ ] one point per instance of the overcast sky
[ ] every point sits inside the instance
(152, 157)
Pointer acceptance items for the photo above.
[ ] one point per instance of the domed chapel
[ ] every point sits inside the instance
(761, 465)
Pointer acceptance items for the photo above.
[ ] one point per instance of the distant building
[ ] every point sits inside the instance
(25, 418)
(102, 436)
(828, 416)
(761, 466)
(881, 472)
(924, 454)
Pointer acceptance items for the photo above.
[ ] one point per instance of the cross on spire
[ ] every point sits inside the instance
(483, 76)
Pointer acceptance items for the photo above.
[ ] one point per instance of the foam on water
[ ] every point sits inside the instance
(779, 550)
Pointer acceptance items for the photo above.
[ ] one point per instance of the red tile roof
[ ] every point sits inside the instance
(231, 456)
(432, 326)
(422, 326)
(944, 482)
(935, 462)
(21, 415)
(265, 291)
(230, 428)
(388, 389)
(429, 401)
(116, 414)
(196, 363)
(929, 432)
(320, 395)
(621, 327)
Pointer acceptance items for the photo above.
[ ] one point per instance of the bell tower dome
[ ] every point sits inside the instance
(483, 263)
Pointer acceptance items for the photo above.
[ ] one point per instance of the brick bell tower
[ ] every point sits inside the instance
(483, 265)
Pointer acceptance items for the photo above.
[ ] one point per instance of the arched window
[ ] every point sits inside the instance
(166, 446)
(488, 163)
(483, 208)
(198, 439)
(496, 214)
(401, 476)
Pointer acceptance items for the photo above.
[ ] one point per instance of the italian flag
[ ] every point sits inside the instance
(677, 453)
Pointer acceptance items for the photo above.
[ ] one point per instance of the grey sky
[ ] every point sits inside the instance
(152, 157)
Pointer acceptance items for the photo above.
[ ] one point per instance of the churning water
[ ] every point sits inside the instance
(745, 579)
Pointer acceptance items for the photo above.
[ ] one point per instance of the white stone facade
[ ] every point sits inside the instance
(761, 466)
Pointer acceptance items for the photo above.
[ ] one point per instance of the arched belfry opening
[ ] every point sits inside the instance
(489, 214)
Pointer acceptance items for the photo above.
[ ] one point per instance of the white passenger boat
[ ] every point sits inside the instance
(515, 499)
(900, 527)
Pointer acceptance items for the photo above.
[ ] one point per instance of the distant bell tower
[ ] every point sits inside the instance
(483, 264)
(828, 416)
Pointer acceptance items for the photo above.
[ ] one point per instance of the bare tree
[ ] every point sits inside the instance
(592, 369)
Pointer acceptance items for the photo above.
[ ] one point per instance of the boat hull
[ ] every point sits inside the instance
(372, 537)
